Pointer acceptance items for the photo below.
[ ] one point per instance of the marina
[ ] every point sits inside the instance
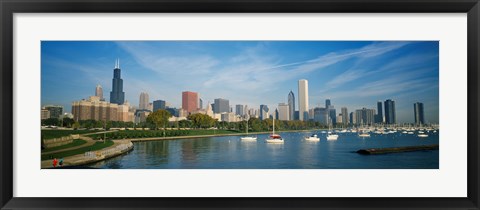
(295, 152)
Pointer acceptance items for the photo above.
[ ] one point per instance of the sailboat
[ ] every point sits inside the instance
(331, 136)
(248, 138)
(274, 138)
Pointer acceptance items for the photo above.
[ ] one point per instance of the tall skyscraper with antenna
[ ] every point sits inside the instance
(117, 96)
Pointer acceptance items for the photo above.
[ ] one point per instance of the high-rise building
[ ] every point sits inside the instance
(379, 116)
(345, 117)
(327, 103)
(353, 119)
(55, 111)
(283, 111)
(303, 99)
(99, 92)
(189, 101)
(320, 115)
(117, 96)
(340, 118)
(94, 109)
(144, 100)
(291, 106)
(263, 112)
(365, 116)
(45, 114)
(419, 114)
(159, 104)
(239, 110)
(390, 115)
(221, 105)
(200, 103)
(332, 114)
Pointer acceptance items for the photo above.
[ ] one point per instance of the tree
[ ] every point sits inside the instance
(200, 120)
(159, 118)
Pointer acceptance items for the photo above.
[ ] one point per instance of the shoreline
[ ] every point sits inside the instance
(206, 136)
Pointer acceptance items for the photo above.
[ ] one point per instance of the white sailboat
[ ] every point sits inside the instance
(248, 138)
(274, 138)
(331, 136)
(313, 137)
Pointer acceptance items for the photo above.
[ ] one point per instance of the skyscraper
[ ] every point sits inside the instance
(99, 92)
(200, 103)
(419, 114)
(327, 103)
(291, 105)
(144, 100)
(189, 101)
(345, 116)
(159, 104)
(239, 110)
(364, 116)
(379, 117)
(283, 111)
(221, 105)
(263, 112)
(320, 115)
(117, 96)
(390, 116)
(55, 111)
(303, 99)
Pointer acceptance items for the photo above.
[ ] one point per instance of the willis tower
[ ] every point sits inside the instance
(117, 96)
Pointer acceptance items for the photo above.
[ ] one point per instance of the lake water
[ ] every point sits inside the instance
(229, 152)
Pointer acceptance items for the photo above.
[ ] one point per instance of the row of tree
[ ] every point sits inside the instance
(158, 120)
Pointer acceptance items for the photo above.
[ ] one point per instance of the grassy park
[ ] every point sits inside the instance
(97, 146)
(75, 143)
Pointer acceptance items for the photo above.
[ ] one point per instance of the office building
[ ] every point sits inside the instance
(143, 101)
(327, 103)
(189, 101)
(55, 111)
(390, 115)
(365, 116)
(45, 114)
(117, 96)
(303, 99)
(321, 115)
(263, 112)
(419, 114)
(159, 104)
(291, 105)
(94, 109)
(345, 117)
(239, 110)
(221, 105)
(283, 111)
(200, 103)
(99, 92)
(379, 115)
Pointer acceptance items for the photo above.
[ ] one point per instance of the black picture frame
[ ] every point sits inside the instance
(10, 7)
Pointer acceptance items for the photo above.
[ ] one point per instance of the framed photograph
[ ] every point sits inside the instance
(239, 105)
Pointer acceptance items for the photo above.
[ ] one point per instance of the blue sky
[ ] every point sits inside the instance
(353, 74)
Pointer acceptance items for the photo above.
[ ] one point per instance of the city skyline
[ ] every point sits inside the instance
(336, 70)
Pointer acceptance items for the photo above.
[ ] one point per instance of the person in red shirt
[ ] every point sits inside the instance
(55, 161)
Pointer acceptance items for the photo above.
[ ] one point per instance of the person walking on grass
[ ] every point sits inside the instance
(60, 162)
(55, 161)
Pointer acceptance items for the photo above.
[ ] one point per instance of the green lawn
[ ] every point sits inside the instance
(96, 146)
(50, 134)
(76, 142)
